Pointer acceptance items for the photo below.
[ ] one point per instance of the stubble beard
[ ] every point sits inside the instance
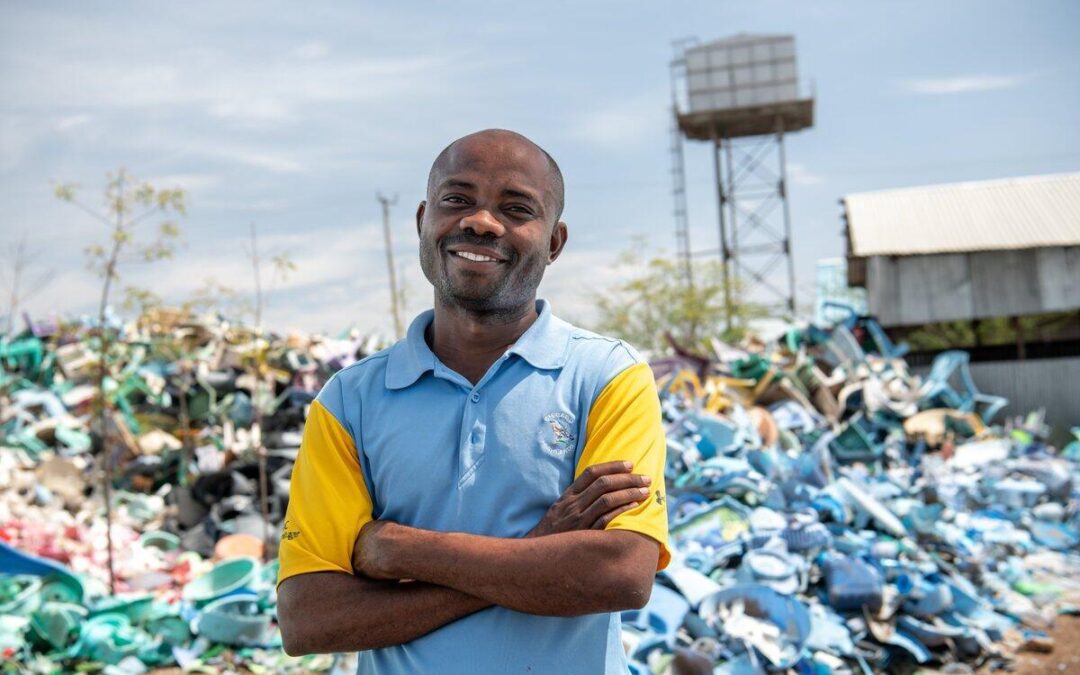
(507, 298)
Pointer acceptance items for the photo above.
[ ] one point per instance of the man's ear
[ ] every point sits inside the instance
(420, 216)
(559, 235)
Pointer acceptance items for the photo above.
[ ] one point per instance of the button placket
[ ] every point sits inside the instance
(472, 440)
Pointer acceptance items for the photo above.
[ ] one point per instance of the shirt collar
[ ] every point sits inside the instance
(543, 345)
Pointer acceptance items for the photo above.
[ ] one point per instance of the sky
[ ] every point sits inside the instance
(294, 117)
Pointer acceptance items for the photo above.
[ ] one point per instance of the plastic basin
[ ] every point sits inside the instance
(227, 577)
(235, 620)
(159, 539)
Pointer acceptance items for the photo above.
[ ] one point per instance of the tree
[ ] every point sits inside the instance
(20, 289)
(654, 300)
(214, 295)
(262, 393)
(128, 206)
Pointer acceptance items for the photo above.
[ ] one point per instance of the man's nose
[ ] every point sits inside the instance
(482, 222)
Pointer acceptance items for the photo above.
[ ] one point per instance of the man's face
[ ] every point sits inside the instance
(487, 230)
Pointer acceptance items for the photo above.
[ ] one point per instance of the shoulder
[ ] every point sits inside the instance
(371, 366)
(599, 358)
(343, 388)
(591, 348)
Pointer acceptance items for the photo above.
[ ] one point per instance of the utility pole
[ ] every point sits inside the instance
(386, 204)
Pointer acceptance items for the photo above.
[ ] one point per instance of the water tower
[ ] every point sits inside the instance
(741, 95)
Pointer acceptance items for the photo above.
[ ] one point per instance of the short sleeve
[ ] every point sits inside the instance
(328, 499)
(625, 424)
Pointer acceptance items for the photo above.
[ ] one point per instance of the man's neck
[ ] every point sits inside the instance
(468, 344)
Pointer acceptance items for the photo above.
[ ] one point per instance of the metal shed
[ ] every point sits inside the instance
(967, 250)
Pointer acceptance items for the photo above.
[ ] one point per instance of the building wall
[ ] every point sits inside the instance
(917, 289)
(1050, 384)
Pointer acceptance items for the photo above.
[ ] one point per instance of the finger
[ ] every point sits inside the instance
(603, 520)
(613, 500)
(591, 473)
(612, 483)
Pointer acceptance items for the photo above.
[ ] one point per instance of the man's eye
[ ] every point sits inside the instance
(454, 199)
(520, 210)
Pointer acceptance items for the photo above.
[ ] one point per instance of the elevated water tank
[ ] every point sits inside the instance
(744, 85)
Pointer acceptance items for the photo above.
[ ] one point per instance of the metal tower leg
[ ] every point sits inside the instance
(755, 226)
(787, 217)
(678, 189)
(725, 249)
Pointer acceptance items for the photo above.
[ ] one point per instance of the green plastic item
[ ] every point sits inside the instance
(753, 367)
(172, 630)
(57, 623)
(20, 595)
(269, 573)
(62, 588)
(108, 638)
(73, 439)
(135, 608)
(1030, 588)
(226, 577)
(235, 620)
(166, 541)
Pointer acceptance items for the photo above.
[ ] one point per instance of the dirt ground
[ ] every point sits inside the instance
(1066, 655)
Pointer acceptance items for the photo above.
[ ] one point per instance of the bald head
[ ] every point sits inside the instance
(509, 142)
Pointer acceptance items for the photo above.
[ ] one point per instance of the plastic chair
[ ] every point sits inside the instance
(885, 346)
(937, 392)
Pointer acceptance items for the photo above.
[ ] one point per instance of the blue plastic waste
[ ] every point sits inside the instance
(786, 613)
(852, 584)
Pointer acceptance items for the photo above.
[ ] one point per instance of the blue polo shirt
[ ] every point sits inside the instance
(399, 436)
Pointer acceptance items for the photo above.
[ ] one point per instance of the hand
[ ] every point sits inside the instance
(599, 494)
(371, 556)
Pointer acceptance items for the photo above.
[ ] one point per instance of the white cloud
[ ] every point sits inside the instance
(311, 51)
(233, 153)
(192, 182)
(251, 110)
(621, 124)
(71, 122)
(260, 160)
(961, 85)
(800, 175)
(221, 84)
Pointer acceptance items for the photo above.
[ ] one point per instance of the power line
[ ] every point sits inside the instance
(869, 171)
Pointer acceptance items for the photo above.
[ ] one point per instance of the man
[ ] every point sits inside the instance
(487, 494)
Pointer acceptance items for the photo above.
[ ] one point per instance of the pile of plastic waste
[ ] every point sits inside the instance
(830, 512)
(199, 410)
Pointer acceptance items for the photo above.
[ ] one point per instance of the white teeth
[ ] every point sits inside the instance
(475, 256)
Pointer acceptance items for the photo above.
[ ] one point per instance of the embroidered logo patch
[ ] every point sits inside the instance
(556, 435)
(287, 534)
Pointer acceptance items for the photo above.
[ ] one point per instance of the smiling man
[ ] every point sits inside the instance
(487, 494)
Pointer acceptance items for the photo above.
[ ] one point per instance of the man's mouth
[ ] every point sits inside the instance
(475, 257)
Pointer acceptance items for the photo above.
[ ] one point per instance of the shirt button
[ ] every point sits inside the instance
(476, 397)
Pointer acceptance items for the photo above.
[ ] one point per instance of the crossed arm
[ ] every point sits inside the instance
(568, 565)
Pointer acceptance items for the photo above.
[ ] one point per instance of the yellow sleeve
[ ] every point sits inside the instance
(625, 424)
(328, 500)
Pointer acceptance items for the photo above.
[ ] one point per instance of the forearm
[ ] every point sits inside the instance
(566, 574)
(333, 612)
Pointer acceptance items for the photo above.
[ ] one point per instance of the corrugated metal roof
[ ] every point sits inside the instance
(1014, 213)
